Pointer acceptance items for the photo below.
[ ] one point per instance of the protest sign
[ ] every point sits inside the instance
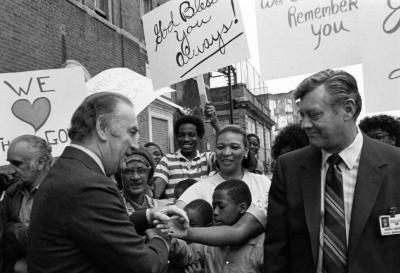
(302, 36)
(136, 87)
(187, 38)
(381, 54)
(40, 103)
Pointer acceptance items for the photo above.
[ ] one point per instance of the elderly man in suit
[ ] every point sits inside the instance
(326, 199)
(79, 222)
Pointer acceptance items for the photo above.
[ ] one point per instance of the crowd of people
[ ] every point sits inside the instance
(108, 204)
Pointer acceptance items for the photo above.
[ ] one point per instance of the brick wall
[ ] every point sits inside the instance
(39, 34)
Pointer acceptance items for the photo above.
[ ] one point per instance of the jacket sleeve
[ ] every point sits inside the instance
(276, 251)
(100, 225)
(15, 238)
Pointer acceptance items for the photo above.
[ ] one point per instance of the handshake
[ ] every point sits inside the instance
(169, 221)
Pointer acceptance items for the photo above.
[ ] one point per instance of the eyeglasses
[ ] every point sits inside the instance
(380, 136)
(140, 171)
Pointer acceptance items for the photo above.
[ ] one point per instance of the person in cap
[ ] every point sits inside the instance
(134, 181)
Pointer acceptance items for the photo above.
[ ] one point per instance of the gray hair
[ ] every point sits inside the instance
(339, 84)
(42, 149)
(83, 121)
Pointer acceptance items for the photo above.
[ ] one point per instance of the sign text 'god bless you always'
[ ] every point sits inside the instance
(188, 38)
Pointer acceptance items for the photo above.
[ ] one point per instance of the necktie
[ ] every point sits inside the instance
(334, 245)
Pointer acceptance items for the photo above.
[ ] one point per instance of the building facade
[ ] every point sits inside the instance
(99, 34)
(284, 109)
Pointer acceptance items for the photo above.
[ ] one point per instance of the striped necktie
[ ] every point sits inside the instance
(334, 245)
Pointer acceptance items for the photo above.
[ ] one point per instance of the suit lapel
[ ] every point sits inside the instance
(369, 180)
(310, 179)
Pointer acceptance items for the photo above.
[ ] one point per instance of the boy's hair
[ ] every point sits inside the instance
(196, 121)
(183, 185)
(203, 208)
(237, 190)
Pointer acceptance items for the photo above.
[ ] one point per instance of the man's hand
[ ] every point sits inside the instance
(194, 268)
(210, 112)
(176, 227)
(164, 214)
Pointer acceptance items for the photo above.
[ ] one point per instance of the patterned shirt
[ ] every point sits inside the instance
(175, 167)
(245, 258)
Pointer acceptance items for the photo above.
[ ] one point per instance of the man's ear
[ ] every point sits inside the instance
(349, 107)
(41, 164)
(101, 127)
(243, 207)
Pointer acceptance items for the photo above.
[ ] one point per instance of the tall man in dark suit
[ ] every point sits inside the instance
(79, 222)
(326, 199)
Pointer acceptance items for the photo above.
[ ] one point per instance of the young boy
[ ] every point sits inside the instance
(200, 213)
(230, 201)
(182, 186)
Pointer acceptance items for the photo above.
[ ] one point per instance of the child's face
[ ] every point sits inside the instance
(195, 219)
(226, 211)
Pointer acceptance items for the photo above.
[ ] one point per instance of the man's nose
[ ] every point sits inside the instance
(135, 175)
(135, 142)
(216, 212)
(305, 123)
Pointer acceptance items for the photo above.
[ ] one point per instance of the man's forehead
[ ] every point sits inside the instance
(316, 97)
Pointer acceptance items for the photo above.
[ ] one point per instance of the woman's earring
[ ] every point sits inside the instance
(245, 156)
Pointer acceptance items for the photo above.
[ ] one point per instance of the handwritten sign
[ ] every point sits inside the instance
(381, 54)
(303, 36)
(187, 38)
(41, 103)
(136, 87)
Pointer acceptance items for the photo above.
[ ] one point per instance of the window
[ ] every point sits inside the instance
(161, 130)
(251, 126)
(145, 6)
(103, 8)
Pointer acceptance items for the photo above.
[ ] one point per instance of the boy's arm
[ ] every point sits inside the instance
(246, 227)
(243, 230)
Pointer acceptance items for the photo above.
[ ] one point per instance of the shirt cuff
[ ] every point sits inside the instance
(162, 239)
(148, 217)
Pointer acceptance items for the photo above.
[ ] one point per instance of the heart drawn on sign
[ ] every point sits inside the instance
(35, 114)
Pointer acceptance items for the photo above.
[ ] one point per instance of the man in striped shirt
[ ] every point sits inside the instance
(186, 162)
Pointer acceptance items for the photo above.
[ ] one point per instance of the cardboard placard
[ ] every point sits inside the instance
(381, 54)
(41, 103)
(186, 38)
(301, 36)
(136, 87)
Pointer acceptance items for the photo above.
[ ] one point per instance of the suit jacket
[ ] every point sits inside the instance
(15, 237)
(79, 224)
(292, 234)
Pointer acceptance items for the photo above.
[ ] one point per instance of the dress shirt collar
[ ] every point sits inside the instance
(91, 154)
(350, 154)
